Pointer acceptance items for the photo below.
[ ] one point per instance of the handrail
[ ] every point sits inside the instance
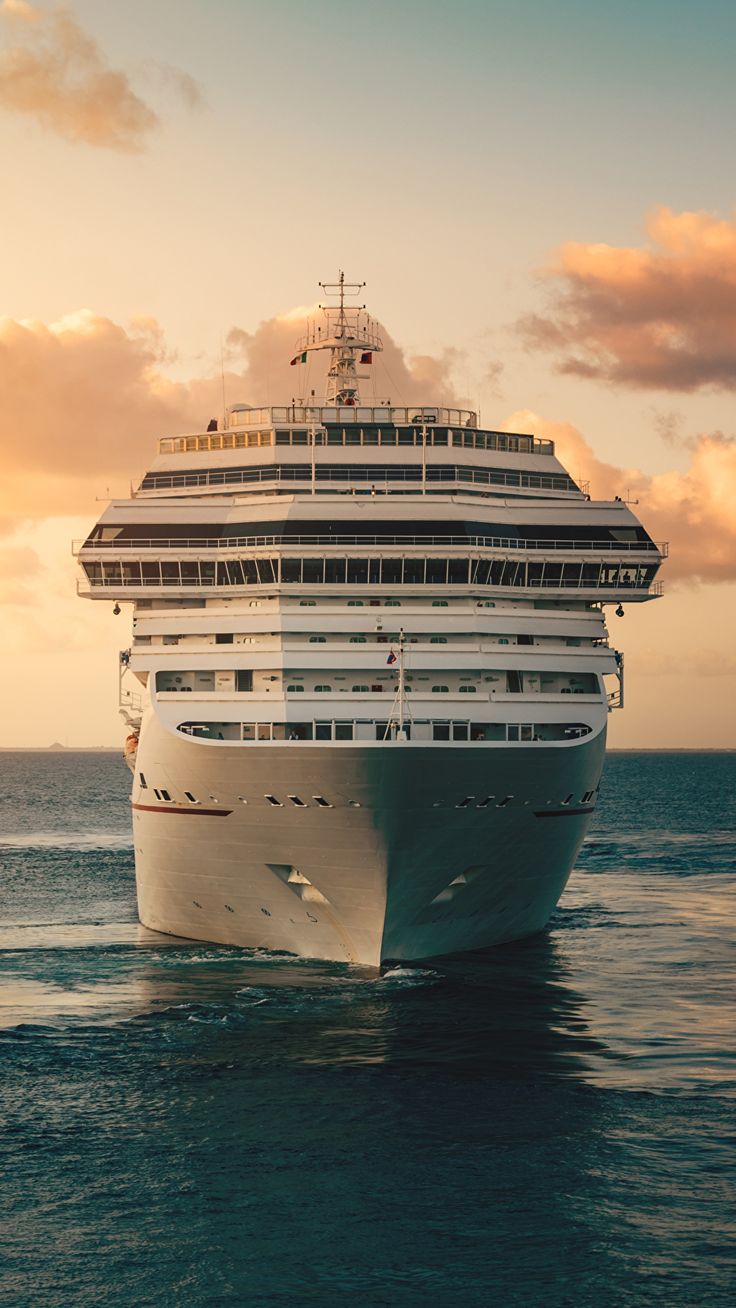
(380, 475)
(287, 542)
(620, 590)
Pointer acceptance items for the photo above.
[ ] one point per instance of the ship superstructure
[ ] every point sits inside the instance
(372, 648)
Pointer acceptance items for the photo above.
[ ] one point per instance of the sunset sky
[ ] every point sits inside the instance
(541, 199)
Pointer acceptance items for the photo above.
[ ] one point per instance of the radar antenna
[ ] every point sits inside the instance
(349, 334)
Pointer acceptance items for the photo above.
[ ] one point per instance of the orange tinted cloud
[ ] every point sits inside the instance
(84, 400)
(267, 372)
(660, 316)
(58, 75)
(692, 509)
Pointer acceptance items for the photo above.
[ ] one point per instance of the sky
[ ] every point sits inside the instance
(541, 200)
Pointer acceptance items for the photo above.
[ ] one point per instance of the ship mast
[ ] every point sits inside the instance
(400, 711)
(349, 334)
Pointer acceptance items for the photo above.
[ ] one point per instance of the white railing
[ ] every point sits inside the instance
(506, 543)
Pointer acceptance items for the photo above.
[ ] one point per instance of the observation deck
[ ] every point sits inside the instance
(375, 425)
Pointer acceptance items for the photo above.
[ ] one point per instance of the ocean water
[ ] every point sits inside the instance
(549, 1123)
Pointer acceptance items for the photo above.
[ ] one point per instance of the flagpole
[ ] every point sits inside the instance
(402, 691)
(313, 433)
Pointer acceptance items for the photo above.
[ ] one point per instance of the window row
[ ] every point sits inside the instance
(427, 730)
(374, 572)
(373, 474)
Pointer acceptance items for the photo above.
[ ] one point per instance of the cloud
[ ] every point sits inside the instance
(19, 569)
(58, 75)
(265, 355)
(692, 509)
(661, 316)
(84, 400)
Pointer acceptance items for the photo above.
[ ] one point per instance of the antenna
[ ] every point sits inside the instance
(349, 334)
(222, 377)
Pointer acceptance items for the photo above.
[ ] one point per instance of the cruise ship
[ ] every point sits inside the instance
(370, 665)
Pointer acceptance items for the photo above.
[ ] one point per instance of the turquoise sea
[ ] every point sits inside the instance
(550, 1123)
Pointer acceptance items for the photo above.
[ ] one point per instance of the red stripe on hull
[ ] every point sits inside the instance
(188, 812)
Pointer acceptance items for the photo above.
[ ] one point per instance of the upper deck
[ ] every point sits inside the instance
(384, 425)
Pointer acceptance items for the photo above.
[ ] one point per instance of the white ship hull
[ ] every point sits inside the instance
(392, 869)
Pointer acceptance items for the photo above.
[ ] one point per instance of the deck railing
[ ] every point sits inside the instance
(218, 543)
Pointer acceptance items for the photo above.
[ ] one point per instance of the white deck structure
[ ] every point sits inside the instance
(374, 670)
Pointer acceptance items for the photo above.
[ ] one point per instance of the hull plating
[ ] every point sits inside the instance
(422, 851)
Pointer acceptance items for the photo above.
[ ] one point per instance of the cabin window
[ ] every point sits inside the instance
(467, 690)
(165, 795)
(190, 797)
(439, 604)
(320, 799)
(438, 640)
(294, 689)
(440, 690)
(361, 690)
(358, 640)
(318, 640)
(355, 604)
(223, 638)
(273, 800)
(143, 782)
(322, 690)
